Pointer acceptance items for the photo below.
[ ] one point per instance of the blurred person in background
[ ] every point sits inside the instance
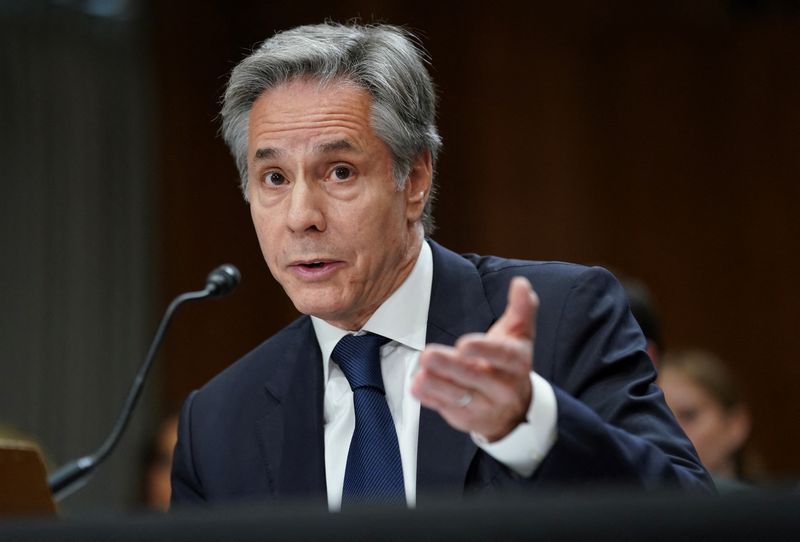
(708, 404)
(156, 485)
(643, 309)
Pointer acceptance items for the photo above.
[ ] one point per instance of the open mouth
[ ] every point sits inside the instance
(316, 266)
(311, 270)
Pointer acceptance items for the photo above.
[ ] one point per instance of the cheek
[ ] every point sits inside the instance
(381, 246)
(706, 431)
(692, 432)
(265, 230)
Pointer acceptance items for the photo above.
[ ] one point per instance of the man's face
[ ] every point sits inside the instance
(334, 230)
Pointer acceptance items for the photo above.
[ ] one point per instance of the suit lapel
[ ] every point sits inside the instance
(291, 434)
(457, 306)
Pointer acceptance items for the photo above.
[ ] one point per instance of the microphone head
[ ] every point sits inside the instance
(222, 280)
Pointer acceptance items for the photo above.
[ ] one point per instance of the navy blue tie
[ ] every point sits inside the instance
(374, 472)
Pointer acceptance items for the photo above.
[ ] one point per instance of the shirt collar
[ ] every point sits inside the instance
(403, 317)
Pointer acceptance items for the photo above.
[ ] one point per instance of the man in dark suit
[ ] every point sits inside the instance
(415, 371)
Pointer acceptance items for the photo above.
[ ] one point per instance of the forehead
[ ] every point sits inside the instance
(304, 111)
(680, 387)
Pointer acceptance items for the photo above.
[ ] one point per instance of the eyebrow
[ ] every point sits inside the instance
(268, 153)
(334, 146)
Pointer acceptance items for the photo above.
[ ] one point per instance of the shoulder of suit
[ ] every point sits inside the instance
(552, 280)
(495, 266)
(252, 368)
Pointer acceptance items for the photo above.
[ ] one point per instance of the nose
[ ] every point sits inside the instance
(305, 208)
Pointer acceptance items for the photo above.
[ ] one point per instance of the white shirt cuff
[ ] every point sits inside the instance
(524, 448)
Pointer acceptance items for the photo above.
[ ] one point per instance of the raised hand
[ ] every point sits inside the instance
(482, 384)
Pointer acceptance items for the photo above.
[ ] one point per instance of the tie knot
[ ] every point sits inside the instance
(358, 356)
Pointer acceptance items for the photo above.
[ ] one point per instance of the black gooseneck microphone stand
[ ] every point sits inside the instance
(74, 475)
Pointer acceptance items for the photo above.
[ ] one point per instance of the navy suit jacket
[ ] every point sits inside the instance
(255, 431)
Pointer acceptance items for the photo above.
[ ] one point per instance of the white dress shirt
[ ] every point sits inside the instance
(403, 318)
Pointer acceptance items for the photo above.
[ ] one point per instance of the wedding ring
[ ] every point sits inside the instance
(465, 399)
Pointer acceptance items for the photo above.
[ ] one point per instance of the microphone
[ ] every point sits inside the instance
(222, 280)
(74, 475)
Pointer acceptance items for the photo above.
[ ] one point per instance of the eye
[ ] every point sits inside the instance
(273, 178)
(687, 415)
(342, 173)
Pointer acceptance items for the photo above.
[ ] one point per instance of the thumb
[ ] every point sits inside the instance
(519, 318)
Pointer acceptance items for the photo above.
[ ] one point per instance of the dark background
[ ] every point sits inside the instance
(656, 138)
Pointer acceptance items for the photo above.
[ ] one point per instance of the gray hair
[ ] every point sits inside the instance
(384, 60)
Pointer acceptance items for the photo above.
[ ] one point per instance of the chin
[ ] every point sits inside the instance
(313, 306)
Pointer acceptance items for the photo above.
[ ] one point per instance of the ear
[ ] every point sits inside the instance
(418, 184)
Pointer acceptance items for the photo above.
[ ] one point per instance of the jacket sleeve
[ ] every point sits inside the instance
(613, 426)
